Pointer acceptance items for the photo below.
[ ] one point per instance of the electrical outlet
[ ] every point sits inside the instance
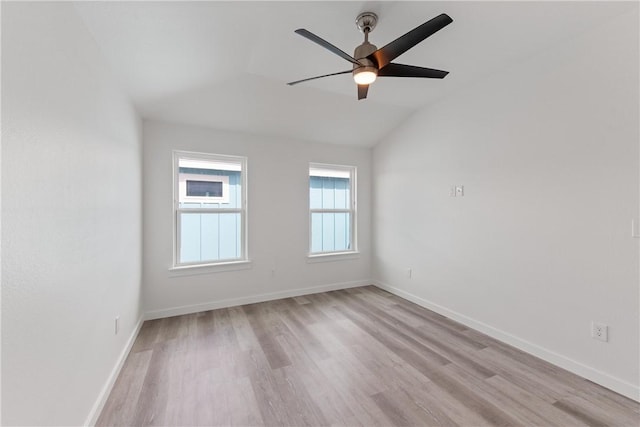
(599, 331)
(117, 325)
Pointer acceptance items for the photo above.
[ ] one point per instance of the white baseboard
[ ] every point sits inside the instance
(619, 386)
(106, 390)
(232, 302)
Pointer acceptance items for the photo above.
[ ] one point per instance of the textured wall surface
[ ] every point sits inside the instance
(540, 245)
(278, 219)
(71, 217)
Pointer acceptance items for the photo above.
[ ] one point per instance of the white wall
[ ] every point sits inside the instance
(278, 220)
(540, 245)
(71, 217)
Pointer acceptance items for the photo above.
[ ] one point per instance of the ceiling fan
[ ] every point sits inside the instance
(370, 62)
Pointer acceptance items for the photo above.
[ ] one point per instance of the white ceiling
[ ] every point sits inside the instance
(225, 64)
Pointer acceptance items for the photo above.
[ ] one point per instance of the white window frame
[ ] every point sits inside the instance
(352, 170)
(177, 210)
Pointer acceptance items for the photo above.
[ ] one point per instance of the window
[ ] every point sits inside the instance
(208, 188)
(210, 209)
(332, 210)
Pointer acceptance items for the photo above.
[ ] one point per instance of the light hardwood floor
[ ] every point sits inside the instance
(357, 357)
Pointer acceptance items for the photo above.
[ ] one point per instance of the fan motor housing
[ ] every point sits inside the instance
(361, 53)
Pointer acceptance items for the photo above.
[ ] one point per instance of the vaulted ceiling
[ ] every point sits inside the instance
(225, 64)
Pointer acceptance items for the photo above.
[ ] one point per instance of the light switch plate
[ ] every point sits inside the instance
(599, 331)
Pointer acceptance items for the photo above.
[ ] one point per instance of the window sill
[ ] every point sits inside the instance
(333, 256)
(192, 270)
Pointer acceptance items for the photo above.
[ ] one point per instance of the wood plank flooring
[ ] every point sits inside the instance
(357, 357)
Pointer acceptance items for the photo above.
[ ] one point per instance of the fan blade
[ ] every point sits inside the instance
(401, 70)
(362, 91)
(319, 77)
(325, 44)
(391, 51)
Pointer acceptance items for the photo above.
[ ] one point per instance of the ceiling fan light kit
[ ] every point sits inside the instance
(369, 62)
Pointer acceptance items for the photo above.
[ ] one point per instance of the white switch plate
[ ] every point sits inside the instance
(599, 331)
(459, 190)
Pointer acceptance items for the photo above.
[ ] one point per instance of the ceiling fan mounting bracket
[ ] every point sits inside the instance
(366, 21)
